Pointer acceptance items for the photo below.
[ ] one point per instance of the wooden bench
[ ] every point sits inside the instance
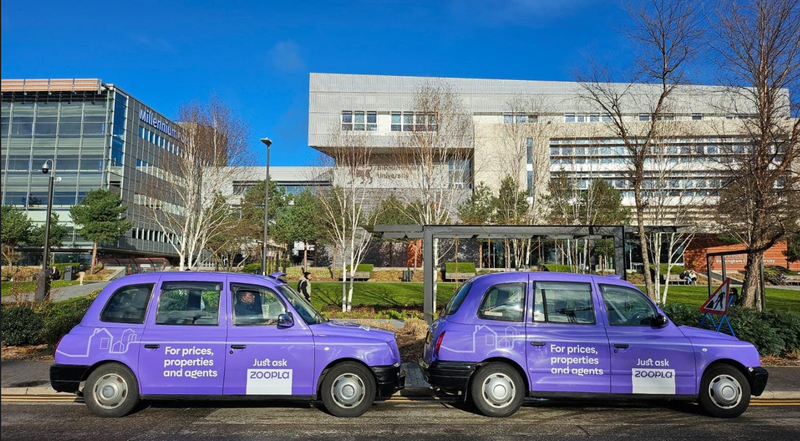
(359, 275)
(792, 280)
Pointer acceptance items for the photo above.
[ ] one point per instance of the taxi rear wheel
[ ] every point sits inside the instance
(348, 390)
(111, 391)
(724, 391)
(497, 390)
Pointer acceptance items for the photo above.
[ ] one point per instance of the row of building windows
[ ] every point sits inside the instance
(154, 236)
(413, 122)
(158, 140)
(158, 172)
(519, 118)
(360, 120)
(157, 204)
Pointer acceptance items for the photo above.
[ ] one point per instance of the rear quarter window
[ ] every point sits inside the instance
(504, 302)
(458, 298)
(128, 304)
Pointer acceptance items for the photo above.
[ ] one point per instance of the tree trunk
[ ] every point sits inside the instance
(480, 254)
(305, 255)
(752, 280)
(648, 282)
(94, 257)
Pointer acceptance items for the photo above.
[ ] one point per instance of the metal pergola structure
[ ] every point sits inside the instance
(430, 232)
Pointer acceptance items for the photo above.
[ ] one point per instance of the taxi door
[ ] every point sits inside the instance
(262, 358)
(567, 347)
(183, 345)
(645, 359)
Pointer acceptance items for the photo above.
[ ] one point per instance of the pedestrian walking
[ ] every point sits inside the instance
(304, 285)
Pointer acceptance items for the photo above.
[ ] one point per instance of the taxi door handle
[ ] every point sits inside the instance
(238, 346)
(621, 346)
(152, 346)
(538, 343)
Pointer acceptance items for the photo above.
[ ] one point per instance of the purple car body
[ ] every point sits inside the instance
(185, 335)
(569, 335)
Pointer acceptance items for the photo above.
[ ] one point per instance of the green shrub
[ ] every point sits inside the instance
(558, 268)
(363, 267)
(463, 267)
(682, 314)
(774, 333)
(57, 326)
(252, 268)
(676, 269)
(21, 325)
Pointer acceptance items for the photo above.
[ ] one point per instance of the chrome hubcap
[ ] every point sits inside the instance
(498, 390)
(725, 391)
(110, 391)
(348, 390)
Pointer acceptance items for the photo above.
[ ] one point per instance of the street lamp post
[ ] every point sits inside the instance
(43, 288)
(268, 143)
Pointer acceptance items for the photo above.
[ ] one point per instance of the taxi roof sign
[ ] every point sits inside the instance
(718, 302)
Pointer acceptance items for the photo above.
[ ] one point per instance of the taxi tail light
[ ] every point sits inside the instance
(58, 343)
(438, 344)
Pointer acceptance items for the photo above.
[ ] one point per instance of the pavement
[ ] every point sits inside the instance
(32, 378)
(63, 293)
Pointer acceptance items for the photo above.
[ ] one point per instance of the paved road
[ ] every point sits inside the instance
(397, 420)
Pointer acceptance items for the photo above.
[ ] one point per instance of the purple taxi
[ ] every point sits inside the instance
(503, 337)
(195, 335)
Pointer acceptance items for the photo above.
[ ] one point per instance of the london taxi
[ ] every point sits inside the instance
(503, 337)
(220, 336)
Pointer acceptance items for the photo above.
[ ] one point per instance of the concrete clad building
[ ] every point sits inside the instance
(98, 136)
(532, 130)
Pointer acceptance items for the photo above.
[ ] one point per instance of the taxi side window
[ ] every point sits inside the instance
(503, 302)
(627, 307)
(128, 304)
(563, 302)
(189, 303)
(255, 305)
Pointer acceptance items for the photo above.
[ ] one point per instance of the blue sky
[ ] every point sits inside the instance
(257, 55)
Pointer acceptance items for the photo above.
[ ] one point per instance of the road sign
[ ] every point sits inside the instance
(718, 302)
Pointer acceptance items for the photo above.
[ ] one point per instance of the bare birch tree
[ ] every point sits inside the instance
(666, 34)
(346, 206)
(212, 148)
(757, 48)
(434, 152)
(671, 202)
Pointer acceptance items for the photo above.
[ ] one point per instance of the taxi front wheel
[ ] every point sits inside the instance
(497, 390)
(724, 392)
(111, 391)
(348, 390)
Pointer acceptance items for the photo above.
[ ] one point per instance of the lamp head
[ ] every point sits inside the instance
(46, 167)
(266, 141)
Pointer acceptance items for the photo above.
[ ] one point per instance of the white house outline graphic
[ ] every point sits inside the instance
(492, 339)
(106, 342)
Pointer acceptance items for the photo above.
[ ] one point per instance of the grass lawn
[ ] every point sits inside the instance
(783, 299)
(377, 294)
(400, 295)
(11, 288)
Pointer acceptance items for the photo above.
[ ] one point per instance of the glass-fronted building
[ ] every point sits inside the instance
(98, 136)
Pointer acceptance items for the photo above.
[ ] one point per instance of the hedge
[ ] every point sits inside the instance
(558, 268)
(772, 332)
(462, 267)
(29, 324)
(363, 267)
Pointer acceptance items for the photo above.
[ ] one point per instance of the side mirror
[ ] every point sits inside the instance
(661, 321)
(285, 321)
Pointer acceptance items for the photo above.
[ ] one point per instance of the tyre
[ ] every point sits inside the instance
(497, 390)
(111, 391)
(724, 391)
(348, 390)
